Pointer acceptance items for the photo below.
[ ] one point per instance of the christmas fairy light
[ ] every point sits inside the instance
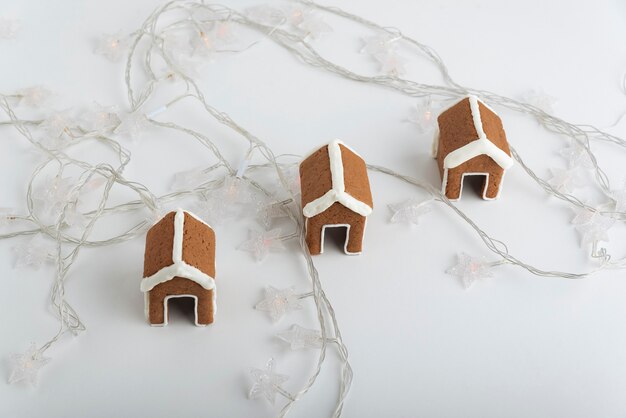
(170, 46)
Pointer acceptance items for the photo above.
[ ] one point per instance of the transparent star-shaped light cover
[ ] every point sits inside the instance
(423, 116)
(34, 252)
(132, 124)
(266, 383)
(312, 25)
(300, 338)
(112, 46)
(470, 269)
(278, 302)
(540, 99)
(265, 14)
(56, 129)
(576, 156)
(261, 243)
(409, 211)
(269, 212)
(99, 118)
(391, 63)
(34, 96)
(565, 180)
(379, 44)
(25, 366)
(591, 225)
(54, 193)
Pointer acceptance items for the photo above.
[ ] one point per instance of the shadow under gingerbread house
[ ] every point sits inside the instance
(471, 142)
(179, 262)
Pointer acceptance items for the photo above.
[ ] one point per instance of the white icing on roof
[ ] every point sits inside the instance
(179, 268)
(338, 191)
(480, 146)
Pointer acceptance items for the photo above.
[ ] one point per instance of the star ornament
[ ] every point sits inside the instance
(576, 156)
(34, 96)
(112, 46)
(592, 226)
(409, 211)
(34, 252)
(278, 302)
(470, 269)
(300, 338)
(564, 180)
(380, 44)
(132, 125)
(391, 63)
(423, 116)
(25, 367)
(262, 243)
(266, 382)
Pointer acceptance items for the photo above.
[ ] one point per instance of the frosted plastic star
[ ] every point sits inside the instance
(74, 218)
(470, 269)
(132, 124)
(267, 15)
(268, 213)
(391, 63)
(261, 243)
(34, 96)
(564, 180)
(55, 193)
(204, 42)
(56, 127)
(266, 382)
(112, 46)
(34, 252)
(300, 338)
(313, 26)
(379, 44)
(9, 28)
(25, 367)
(592, 226)
(235, 190)
(409, 211)
(100, 118)
(576, 156)
(278, 302)
(423, 117)
(540, 99)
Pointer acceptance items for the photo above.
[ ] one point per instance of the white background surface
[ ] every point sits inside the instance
(515, 346)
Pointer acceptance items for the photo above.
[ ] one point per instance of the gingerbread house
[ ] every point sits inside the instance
(179, 262)
(471, 142)
(335, 193)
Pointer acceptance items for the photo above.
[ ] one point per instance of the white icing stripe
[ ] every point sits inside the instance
(474, 149)
(337, 193)
(478, 123)
(177, 247)
(336, 167)
(179, 269)
(480, 146)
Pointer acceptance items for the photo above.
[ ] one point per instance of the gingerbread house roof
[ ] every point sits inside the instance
(471, 128)
(179, 245)
(335, 173)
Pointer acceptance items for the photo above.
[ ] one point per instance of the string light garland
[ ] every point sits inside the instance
(181, 35)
